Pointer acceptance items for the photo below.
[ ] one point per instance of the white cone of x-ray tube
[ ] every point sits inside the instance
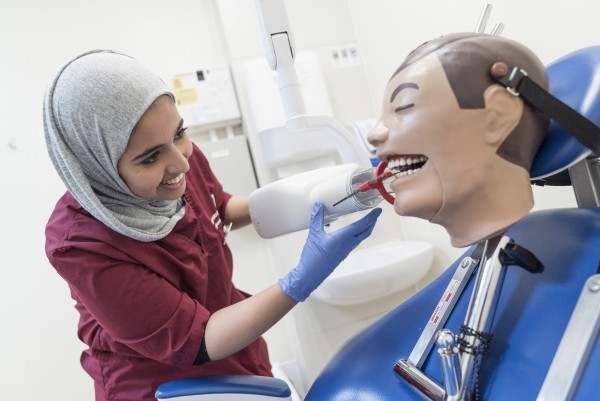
(285, 206)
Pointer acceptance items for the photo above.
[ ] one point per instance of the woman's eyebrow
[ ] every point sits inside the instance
(405, 85)
(147, 152)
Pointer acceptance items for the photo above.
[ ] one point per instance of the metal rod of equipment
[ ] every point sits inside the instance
(497, 30)
(483, 18)
(449, 358)
(575, 347)
(420, 381)
(442, 311)
(482, 306)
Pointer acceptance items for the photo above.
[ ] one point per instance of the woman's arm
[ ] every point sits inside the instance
(236, 326)
(237, 212)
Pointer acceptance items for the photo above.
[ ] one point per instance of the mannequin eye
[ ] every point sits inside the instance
(404, 107)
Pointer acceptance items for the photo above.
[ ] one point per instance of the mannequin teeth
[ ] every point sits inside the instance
(402, 166)
(406, 172)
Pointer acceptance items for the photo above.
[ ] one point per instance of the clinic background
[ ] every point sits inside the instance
(39, 352)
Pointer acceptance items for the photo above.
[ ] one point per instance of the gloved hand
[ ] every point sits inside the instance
(323, 252)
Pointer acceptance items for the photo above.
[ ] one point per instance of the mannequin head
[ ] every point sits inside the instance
(470, 141)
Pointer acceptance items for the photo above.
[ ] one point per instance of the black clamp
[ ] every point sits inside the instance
(518, 83)
(514, 254)
(512, 81)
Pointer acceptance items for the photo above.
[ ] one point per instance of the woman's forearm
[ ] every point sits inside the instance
(237, 212)
(236, 326)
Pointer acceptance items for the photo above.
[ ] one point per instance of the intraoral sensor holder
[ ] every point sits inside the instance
(375, 183)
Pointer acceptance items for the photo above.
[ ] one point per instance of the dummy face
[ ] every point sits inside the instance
(421, 121)
(156, 158)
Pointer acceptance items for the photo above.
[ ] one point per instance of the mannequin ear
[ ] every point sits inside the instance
(504, 112)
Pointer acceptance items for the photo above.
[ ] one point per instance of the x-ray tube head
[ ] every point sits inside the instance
(285, 206)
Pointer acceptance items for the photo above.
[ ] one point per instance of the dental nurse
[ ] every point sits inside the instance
(139, 237)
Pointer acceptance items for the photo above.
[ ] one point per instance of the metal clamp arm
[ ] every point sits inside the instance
(575, 347)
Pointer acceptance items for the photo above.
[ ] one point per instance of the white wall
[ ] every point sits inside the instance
(40, 351)
(39, 359)
(388, 30)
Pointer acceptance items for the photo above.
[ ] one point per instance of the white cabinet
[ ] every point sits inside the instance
(231, 162)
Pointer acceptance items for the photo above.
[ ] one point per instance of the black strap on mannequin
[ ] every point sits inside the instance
(518, 83)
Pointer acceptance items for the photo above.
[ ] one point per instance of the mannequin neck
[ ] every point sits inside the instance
(490, 208)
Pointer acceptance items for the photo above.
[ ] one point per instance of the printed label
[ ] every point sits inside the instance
(441, 307)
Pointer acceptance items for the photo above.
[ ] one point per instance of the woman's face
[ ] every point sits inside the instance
(156, 158)
(422, 125)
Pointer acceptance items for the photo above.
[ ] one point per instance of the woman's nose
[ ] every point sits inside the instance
(179, 161)
(378, 134)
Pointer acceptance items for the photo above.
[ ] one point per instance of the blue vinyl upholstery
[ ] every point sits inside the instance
(574, 79)
(235, 386)
(532, 314)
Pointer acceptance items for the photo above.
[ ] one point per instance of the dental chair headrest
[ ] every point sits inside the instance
(575, 80)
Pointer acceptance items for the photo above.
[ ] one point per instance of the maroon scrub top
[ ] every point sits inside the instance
(143, 306)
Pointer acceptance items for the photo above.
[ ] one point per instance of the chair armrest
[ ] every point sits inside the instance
(225, 387)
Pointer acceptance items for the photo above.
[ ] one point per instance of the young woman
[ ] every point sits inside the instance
(139, 237)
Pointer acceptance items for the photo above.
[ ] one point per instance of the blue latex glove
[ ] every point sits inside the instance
(323, 252)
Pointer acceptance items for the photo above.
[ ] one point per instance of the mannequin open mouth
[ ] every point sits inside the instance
(406, 165)
(395, 167)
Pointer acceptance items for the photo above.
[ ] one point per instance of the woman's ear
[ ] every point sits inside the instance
(504, 112)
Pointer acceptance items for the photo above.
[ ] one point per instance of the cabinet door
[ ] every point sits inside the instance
(231, 162)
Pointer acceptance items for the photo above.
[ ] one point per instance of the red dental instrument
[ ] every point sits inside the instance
(375, 183)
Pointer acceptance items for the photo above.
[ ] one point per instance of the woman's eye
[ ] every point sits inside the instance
(404, 107)
(150, 159)
(180, 134)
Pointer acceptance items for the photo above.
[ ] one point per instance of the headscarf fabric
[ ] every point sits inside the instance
(90, 109)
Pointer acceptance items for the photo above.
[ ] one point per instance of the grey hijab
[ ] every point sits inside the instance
(90, 110)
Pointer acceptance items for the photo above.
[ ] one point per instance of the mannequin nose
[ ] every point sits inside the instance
(378, 134)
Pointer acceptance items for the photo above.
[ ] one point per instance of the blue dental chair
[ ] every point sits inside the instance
(536, 316)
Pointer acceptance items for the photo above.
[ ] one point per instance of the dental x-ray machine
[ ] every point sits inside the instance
(280, 52)
(285, 206)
